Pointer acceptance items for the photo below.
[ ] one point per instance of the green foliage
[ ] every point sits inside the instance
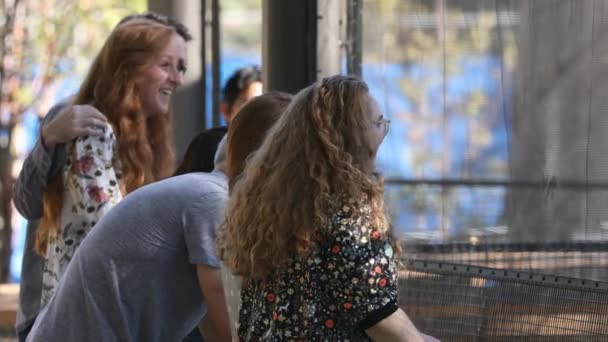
(52, 39)
(71, 32)
(43, 42)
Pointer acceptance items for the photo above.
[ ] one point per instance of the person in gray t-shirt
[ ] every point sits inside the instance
(132, 278)
(149, 271)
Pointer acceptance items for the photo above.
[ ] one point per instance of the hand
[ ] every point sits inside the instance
(71, 122)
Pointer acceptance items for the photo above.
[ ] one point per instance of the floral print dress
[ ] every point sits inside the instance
(91, 180)
(346, 285)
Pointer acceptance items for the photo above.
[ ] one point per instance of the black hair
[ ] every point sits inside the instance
(239, 81)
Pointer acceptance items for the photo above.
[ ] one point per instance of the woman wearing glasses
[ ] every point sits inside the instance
(306, 228)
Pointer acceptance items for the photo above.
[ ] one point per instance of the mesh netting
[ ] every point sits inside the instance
(456, 302)
(496, 162)
(498, 113)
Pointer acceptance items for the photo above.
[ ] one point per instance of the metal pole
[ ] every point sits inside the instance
(203, 57)
(354, 37)
(215, 60)
(289, 44)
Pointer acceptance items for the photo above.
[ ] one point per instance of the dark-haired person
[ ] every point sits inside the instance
(244, 84)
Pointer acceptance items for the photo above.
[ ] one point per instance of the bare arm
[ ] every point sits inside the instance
(216, 325)
(396, 327)
(62, 124)
(206, 329)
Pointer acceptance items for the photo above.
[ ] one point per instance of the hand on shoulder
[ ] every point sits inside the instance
(71, 122)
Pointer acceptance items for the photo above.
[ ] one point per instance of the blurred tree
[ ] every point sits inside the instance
(448, 117)
(241, 22)
(42, 42)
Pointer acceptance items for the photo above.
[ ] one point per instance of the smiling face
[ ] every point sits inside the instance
(161, 76)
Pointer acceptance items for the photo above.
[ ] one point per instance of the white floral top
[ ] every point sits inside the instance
(91, 179)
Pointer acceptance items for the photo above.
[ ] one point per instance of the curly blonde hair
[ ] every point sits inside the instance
(319, 150)
(144, 143)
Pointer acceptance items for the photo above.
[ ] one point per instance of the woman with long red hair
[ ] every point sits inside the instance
(131, 82)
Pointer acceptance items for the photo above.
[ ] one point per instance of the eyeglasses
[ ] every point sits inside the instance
(385, 122)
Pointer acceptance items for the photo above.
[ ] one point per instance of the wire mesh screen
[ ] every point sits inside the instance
(466, 303)
(585, 260)
(496, 163)
(498, 110)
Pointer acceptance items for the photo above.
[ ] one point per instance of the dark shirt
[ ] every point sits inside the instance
(347, 284)
(201, 151)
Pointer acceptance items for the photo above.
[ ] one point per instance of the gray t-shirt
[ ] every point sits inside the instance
(133, 277)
